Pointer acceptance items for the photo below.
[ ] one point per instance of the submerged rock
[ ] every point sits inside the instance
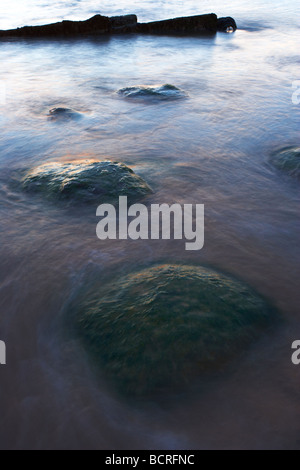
(287, 160)
(86, 182)
(162, 92)
(162, 327)
(68, 114)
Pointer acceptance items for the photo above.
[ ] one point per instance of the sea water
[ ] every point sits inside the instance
(211, 147)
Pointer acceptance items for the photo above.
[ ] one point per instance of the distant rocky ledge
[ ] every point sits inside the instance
(99, 25)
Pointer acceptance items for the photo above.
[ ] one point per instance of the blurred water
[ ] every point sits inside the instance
(211, 147)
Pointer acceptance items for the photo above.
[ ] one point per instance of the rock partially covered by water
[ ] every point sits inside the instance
(86, 182)
(161, 93)
(287, 160)
(161, 328)
(64, 114)
(121, 23)
(189, 25)
(226, 25)
(98, 24)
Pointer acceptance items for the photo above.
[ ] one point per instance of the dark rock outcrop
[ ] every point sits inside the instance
(226, 24)
(159, 329)
(85, 182)
(122, 23)
(190, 25)
(98, 25)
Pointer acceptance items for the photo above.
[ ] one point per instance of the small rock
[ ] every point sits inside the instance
(161, 93)
(64, 114)
(287, 160)
(227, 25)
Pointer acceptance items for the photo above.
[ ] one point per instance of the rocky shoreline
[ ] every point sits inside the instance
(100, 25)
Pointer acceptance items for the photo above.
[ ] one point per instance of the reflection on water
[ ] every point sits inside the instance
(212, 147)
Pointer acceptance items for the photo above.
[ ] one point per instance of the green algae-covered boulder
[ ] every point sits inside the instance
(160, 328)
(85, 182)
(287, 160)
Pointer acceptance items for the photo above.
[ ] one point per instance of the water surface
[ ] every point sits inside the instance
(212, 148)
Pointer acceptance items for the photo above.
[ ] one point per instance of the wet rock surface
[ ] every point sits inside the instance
(191, 25)
(226, 25)
(85, 182)
(98, 25)
(121, 23)
(287, 160)
(68, 114)
(161, 328)
(157, 93)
